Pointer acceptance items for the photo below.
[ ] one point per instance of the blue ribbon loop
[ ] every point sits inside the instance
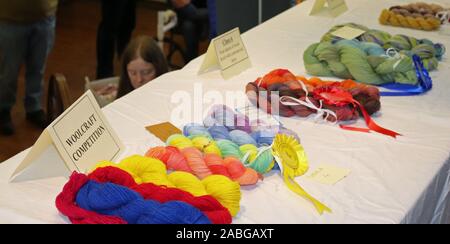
(425, 82)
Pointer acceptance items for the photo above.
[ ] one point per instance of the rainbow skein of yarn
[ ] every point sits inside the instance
(226, 149)
(231, 147)
(204, 165)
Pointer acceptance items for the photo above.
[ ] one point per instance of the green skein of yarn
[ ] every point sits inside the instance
(362, 61)
(425, 48)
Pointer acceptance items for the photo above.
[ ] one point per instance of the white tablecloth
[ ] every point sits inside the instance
(404, 180)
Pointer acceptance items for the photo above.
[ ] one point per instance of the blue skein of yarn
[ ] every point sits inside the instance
(115, 200)
(263, 137)
(194, 130)
(241, 138)
(219, 132)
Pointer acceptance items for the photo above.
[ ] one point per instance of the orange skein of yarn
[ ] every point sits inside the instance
(216, 165)
(203, 165)
(195, 161)
(172, 157)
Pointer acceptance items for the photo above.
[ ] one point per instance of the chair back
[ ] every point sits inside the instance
(59, 98)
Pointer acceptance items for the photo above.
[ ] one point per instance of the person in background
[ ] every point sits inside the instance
(114, 33)
(193, 20)
(212, 19)
(27, 33)
(142, 62)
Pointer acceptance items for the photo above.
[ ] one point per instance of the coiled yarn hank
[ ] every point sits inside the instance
(217, 213)
(217, 132)
(219, 124)
(151, 170)
(261, 137)
(429, 52)
(231, 149)
(261, 162)
(171, 156)
(361, 61)
(65, 201)
(420, 16)
(225, 116)
(282, 81)
(211, 164)
(224, 148)
(114, 200)
(389, 17)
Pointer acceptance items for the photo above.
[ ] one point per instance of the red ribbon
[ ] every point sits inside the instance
(333, 95)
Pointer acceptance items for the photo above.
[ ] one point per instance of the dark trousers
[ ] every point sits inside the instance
(27, 44)
(193, 21)
(114, 33)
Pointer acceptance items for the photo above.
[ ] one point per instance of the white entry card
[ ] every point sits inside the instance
(227, 52)
(83, 136)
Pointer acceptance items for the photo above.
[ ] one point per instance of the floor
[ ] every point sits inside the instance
(73, 56)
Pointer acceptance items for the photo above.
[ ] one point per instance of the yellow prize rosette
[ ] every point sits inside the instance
(291, 155)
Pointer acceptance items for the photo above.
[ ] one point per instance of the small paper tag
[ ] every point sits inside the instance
(164, 130)
(332, 8)
(348, 32)
(328, 174)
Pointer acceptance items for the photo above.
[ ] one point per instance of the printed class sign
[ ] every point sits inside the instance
(228, 53)
(81, 135)
(330, 8)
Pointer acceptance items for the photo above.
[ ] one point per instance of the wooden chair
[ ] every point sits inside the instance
(59, 98)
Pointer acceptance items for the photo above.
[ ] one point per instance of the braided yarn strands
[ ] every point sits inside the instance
(207, 164)
(207, 204)
(110, 196)
(222, 120)
(286, 86)
(421, 16)
(374, 58)
(333, 101)
(234, 146)
(114, 200)
(361, 61)
(225, 143)
(151, 170)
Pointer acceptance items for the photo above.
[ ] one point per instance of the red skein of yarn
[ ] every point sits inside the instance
(65, 202)
(212, 208)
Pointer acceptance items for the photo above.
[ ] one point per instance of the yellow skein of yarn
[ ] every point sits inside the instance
(146, 170)
(150, 170)
(227, 194)
(188, 182)
(206, 145)
(388, 17)
(179, 141)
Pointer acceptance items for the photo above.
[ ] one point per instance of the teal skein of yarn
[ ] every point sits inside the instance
(430, 52)
(361, 61)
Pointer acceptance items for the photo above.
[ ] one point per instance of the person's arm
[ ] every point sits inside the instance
(180, 3)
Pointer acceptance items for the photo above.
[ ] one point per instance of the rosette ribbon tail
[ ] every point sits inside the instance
(372, 126)
(295, 187)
